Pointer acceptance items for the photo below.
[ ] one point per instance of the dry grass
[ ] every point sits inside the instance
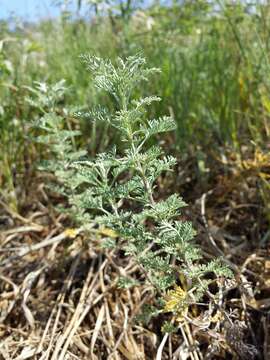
(59, 297)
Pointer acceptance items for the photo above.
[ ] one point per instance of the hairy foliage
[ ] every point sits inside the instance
(118, 191)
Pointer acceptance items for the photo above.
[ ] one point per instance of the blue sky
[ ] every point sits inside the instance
(28, 9)
(33, 10)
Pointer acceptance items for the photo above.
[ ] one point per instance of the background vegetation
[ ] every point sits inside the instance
(214, 82)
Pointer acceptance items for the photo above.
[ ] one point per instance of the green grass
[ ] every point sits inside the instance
(214, 78)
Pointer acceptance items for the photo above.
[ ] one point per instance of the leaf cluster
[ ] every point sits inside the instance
(118, 190)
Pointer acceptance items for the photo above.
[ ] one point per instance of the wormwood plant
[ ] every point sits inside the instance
(57, 138)
(118, 191)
